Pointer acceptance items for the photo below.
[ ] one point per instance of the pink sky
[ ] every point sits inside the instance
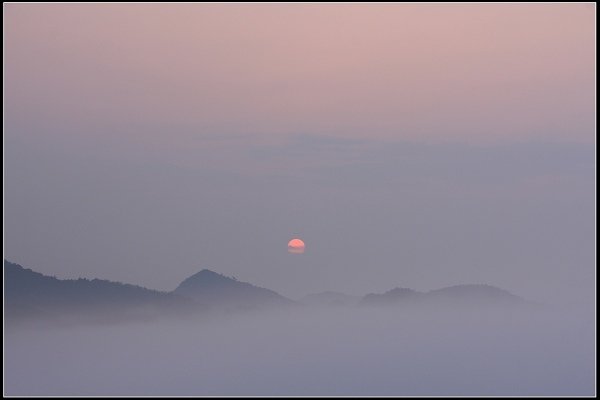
(483, 72)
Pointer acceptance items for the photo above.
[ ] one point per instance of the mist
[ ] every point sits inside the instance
(313, 351)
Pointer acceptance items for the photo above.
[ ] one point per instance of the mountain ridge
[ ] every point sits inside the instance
(28, 293)
(463, 294)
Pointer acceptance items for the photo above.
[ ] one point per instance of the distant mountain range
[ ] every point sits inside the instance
(460, 295)
(31, 295)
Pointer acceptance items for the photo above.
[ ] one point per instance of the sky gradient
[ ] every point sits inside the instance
(408, 145)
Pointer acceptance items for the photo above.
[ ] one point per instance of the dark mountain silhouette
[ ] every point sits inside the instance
(219, 291)
(330, 299)
(474, 294)
(30, 294)
(34, 296)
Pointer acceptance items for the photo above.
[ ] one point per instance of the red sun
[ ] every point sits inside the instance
(296, 246)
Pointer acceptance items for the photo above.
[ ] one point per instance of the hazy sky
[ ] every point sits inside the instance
(408, 145)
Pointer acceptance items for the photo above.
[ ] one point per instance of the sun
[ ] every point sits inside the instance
(296, 246)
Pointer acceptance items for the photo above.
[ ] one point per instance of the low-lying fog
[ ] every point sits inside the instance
(313, 351)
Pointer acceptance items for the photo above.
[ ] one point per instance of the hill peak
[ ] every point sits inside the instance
(210, 287)
(207, 272)
(208, 275)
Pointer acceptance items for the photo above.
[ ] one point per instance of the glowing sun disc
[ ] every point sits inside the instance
(296, 246)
